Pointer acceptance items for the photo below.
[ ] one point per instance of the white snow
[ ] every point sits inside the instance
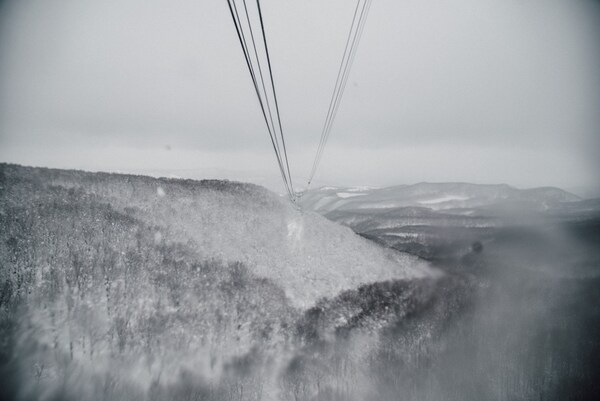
(404, 235)
(381, 205)
(324, 259)
(348, 194)
(360, 189)
(442, 199)
(295, 230)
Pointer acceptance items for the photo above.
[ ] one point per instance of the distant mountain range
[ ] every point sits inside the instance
(444, 217)
(433, 196)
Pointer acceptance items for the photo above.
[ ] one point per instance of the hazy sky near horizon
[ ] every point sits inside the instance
(486, 91)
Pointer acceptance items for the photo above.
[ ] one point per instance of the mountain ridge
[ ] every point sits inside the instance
(435, 196)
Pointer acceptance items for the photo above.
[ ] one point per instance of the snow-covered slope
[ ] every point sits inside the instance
(117, 287)
(304, 253)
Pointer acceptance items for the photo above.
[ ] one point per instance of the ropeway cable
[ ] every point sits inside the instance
(284, 167)
(263, 85)
(242, 39)
(254, 65)
(354, 35)
(262, 26)
(343, 73)
(333, 95)
(346, 74)
(263, 97)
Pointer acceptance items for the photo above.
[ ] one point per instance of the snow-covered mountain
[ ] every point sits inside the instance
(304, 253)
(120, 287)
(434, 196)
(127, 287)
(444, 218)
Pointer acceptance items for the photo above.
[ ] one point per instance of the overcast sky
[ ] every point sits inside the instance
(486, 91)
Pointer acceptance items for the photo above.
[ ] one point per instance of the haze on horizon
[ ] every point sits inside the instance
(483, 91)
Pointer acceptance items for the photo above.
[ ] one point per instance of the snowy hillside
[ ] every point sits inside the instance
(305, 254)
(118, 287)
(126, 286)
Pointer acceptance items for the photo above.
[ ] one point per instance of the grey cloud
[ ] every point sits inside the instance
(438, 74)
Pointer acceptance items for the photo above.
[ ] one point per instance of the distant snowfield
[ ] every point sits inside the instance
(442, 199)
(360, 189)
(348, 189)
(348, 194)
(404, 235)
(380, 205)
